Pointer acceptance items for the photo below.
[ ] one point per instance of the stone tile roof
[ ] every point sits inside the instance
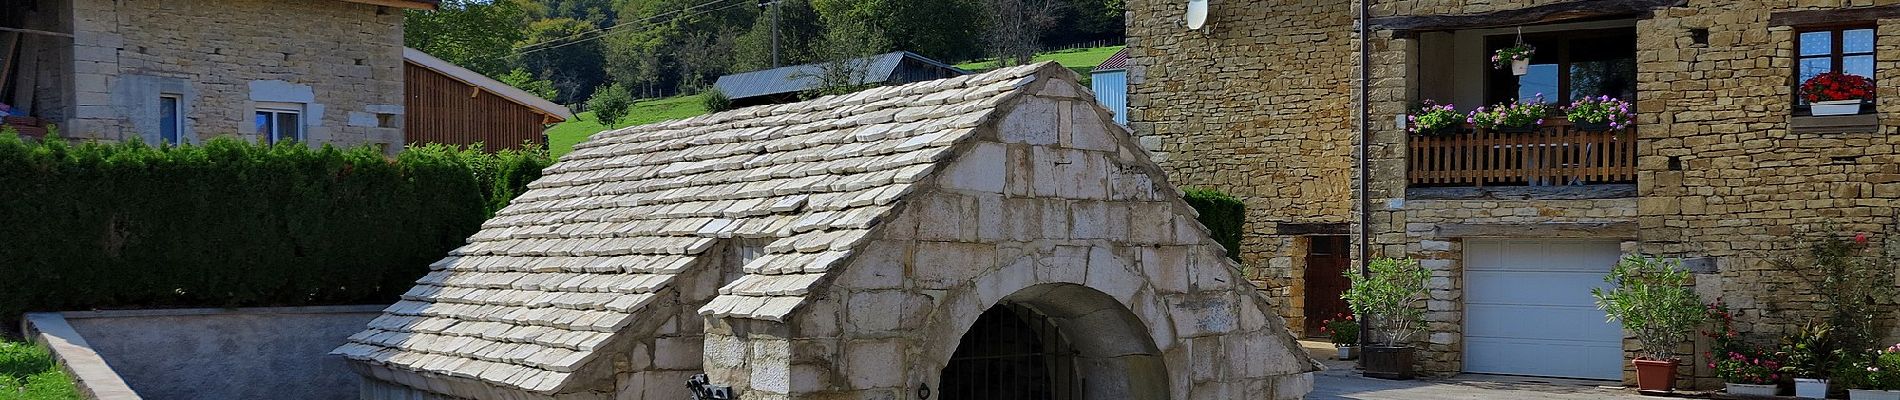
(561, 270)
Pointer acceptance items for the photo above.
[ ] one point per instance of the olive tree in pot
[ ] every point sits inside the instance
(1653, 298)
(1389, 295)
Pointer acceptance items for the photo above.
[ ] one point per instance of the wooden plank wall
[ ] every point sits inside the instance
(441, 109)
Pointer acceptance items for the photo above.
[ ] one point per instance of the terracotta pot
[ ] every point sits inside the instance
(1388, 362)
(1655, 375)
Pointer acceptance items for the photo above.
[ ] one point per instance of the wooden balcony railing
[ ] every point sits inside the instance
(1555, 154)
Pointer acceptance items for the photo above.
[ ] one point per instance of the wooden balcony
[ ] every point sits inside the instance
(1553, 155)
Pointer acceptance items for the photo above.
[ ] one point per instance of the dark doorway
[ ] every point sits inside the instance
(1011, 353)
(1327, 260)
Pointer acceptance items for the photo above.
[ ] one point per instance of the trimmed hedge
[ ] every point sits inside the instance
(1224, 216)
(235, 224)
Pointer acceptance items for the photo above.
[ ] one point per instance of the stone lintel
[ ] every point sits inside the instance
(1863, 123)
(1560, 12)
(1613, 230)
(1834, 16)
(1569, 192)
(1312, 228)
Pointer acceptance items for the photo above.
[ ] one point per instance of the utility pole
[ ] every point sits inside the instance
(774, 5)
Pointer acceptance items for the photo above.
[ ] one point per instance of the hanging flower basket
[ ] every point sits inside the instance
(1517, 57)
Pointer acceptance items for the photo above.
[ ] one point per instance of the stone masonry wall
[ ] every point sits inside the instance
(1047, 201)
(1258, 104)
(341, 62)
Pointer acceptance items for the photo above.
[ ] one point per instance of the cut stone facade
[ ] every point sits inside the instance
(840, 248)
(1723, 178)
(338, 63)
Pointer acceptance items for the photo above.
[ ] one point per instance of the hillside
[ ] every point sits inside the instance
(563, 137)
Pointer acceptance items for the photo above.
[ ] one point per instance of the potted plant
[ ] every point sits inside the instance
(1745, 368)
(1517, 57)
(1389, 295)
(1655, 300)
(1432, 119)
(1835, 93)
(1598, 114)
(1514, 117)
(1345, 334)
(1877, 377)
(1809, 359)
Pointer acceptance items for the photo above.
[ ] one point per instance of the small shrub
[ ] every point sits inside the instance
(610, 103)
(1224, 216)
(715, 101)
(1342, 329)
(1389, 294)
(1653, 298)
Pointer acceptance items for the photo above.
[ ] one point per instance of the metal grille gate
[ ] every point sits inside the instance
(1012, 353)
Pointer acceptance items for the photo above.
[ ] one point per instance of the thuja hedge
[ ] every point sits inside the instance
(235, 224)
(1224, 216)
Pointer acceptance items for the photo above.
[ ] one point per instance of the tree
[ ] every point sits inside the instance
(521, 79)
(799, 30)
(610, 104)
(478, 35)
(573, 69)
(851, 38)
(1016, 28)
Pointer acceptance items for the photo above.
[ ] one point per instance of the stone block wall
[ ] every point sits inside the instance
(332, 59)
(1259, 104)
(1048, 210)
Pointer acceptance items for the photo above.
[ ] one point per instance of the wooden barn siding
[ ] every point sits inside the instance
(440, 111)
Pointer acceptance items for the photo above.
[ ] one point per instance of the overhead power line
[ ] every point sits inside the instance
(579, 38)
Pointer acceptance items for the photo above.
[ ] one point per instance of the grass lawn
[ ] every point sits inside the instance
(28, 373)
(1080, 60)
(563, 137)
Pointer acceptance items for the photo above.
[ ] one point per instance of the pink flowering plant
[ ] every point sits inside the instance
(1878, 370)
(1431, 119)
(1503, 57)
(1600, 110)
(1343, 330)
(1515, 114)
(1735, 360)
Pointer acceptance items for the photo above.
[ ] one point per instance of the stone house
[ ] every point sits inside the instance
(979, 237)
(182, 71)
(1724, 168)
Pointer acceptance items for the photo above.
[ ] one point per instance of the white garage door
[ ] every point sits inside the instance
(1528, 309)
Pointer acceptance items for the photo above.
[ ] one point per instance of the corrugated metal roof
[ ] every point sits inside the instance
(800, 78)
(1116, 62)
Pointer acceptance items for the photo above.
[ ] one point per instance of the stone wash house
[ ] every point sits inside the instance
(183, 71)
(962, 238)
(1725, 168)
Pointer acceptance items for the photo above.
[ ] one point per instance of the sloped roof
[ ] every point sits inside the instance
(799, 78)
(1116, 62)
(558, 273)
(476, 79)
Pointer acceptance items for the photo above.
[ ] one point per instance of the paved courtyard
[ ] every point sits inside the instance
(1340, 381)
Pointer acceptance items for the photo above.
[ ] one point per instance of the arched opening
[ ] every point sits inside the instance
(1057, 341)
(1012, 353)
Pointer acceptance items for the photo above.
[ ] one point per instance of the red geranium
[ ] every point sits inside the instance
(1833, 86)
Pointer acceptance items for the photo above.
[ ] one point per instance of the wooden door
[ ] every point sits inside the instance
(1327, 260)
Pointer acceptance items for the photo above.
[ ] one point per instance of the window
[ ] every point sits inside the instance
(1568, 65)
(279, 123)
(1848, 50)
(170, 123)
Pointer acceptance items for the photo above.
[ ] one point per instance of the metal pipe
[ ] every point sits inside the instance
(1365, 156)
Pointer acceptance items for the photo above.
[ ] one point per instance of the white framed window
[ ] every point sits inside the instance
(280, 122)
(171, 121)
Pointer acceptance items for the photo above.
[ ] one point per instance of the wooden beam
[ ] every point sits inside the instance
(409, 4)
(1833, 16)
(36, 32)
(1312, 229)
(1607, 230)
(1566, 11)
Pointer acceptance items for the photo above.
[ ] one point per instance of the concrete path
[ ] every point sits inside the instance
(1340, 381)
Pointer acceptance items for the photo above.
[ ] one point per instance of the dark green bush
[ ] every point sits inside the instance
(230, 223)
(1224, 215)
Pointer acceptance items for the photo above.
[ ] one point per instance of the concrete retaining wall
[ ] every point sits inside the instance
(209, 354)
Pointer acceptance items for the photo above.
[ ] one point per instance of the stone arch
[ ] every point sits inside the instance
(1113, 346)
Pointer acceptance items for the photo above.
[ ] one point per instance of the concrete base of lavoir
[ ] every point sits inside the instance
(204, 354)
